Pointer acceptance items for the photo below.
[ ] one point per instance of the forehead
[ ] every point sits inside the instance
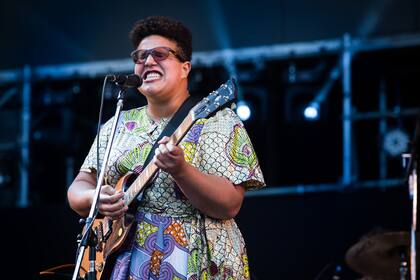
(154, 41)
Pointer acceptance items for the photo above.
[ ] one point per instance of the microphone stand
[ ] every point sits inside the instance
(412, 179)
(89, 238)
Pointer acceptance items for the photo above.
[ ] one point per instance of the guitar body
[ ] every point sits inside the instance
(110, 236)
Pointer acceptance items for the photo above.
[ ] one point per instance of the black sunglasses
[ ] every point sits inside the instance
(158, 54)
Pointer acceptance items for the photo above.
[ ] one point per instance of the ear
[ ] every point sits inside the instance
(186, 68)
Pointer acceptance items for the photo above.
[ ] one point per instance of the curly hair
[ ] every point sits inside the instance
(165, 27)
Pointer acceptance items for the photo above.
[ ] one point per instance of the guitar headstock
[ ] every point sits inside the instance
(216, 100)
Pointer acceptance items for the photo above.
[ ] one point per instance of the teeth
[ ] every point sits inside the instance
(152, 75)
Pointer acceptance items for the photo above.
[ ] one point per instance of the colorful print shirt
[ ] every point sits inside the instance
(173, 239)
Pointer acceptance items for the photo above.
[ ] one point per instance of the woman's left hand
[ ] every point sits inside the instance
(169, 157)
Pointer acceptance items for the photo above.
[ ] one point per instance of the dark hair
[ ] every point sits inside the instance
(165, 27)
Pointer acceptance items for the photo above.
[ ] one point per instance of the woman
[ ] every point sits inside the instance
(184, 221)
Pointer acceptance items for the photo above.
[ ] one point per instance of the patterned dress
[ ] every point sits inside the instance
(174, 240)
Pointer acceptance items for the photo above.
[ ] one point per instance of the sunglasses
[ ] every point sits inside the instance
(158, 54)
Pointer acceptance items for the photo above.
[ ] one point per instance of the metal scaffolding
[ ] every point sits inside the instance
(23, 200)
(217, 58)
(346, 47)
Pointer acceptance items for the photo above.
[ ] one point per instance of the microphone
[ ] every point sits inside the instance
(130, 81)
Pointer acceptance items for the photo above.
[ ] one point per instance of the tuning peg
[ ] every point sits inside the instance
(82, 221)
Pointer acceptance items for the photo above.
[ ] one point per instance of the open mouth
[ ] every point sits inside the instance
(151, 75)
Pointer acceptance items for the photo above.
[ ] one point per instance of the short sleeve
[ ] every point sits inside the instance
(225, 149)
(90, 163)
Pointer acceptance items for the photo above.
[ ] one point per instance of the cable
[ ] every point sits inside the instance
(98, 130)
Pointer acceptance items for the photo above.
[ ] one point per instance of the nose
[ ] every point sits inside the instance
(150, 60)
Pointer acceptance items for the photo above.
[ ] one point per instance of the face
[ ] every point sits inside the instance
(161, 79)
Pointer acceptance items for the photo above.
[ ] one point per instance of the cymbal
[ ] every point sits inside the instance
(379, 255)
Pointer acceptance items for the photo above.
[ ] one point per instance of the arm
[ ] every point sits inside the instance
(213, 195)
(80, 195)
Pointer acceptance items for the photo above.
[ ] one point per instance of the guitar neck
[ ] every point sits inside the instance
(150, 170)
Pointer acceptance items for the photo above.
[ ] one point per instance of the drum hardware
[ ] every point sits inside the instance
(383, 256)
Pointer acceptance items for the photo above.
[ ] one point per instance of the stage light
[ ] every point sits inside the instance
(311, 112)
(243, 110)
(396, 142)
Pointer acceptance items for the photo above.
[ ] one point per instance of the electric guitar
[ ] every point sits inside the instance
(111, 235)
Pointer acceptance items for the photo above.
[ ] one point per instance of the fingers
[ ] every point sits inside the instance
(164, 140)
(107, 189)
(115, 214)
(163, 149)
(163, 157)
(159, 163)
(112, 205)
(165, 145)
(168, 149)
(174, 150)
(170, 158)
(110, 198)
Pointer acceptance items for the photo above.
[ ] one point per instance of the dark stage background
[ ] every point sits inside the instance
(289, 237)
(292, 231)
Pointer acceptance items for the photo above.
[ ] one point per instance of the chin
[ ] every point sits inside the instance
(149, 90)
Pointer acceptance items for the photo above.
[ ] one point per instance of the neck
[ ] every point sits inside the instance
(158, 109)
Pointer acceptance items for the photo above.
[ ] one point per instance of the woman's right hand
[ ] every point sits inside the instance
(111, 203)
